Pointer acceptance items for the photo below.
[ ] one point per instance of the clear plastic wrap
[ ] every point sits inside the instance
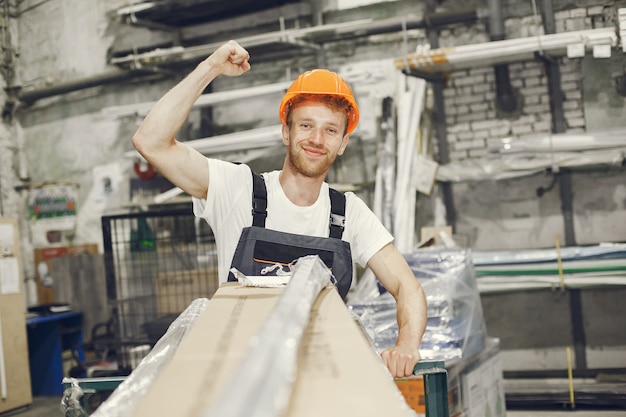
(456, 326)
(262, 383)
(71, 401)
(564, 142)
(514, 157)
(516, 165)
(128, 394)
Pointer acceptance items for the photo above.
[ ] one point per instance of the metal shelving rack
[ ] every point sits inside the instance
(156, 262)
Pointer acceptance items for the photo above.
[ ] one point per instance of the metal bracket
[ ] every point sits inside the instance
(435, 387)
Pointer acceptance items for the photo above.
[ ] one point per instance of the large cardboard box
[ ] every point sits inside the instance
(412, 389)
(339, 372)
(15, 384)
(175, 290)
(46, 276)
(483, 386)
(476, 384)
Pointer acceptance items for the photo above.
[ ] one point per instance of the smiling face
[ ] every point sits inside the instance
(314, 137)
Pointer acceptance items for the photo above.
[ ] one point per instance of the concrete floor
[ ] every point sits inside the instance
(41, 407)
(50, 407)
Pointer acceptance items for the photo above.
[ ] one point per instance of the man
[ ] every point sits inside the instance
(315, 131)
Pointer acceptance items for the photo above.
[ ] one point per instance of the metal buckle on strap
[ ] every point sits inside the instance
(337, 220)
(259, 206)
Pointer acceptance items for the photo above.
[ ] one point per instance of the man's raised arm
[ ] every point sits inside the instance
(155, 138)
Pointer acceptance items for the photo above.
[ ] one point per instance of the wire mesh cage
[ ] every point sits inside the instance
(156, 263)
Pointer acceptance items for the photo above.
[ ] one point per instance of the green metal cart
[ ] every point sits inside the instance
(435, 387)
(96, 390)
(81, 396)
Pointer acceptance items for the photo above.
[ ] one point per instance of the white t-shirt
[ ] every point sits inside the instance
(228, 209)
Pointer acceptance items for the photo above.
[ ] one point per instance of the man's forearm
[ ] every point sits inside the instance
(411, 315)
(396, 276)
(394, 273)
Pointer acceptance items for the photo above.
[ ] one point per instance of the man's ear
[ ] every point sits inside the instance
(344, 144)
(285, 133)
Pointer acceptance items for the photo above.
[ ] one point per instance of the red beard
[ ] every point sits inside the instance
(310, 167)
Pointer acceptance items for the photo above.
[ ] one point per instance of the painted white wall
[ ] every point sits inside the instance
(62, 40)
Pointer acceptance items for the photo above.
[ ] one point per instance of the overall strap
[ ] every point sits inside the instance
(259, 206)
(337, 213)
(259, 200)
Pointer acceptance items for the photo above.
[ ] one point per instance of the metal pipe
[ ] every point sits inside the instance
(505, 95)
(567, 206)
(430, 21)
(30, 96)
(496, 23)
(558, 123)
(565, 182)
(553, 73)
(439, 121)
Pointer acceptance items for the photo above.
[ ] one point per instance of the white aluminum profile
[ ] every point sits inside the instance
(3, 374)
(504, 51)
(410, 108)
(246, 140)
(142, 109)
(262, 137)
(134, 8)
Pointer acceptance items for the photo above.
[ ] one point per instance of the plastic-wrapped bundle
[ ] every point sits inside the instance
(573, 267)
(456, 325)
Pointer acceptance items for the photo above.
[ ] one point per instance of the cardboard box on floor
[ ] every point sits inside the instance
(339, 373)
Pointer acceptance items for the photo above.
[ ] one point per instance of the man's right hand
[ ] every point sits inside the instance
(231, 59)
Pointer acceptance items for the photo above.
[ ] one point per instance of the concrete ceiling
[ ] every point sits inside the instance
(181, 13)
(151, 27)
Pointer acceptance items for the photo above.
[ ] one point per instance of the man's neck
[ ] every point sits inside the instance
(300, 190)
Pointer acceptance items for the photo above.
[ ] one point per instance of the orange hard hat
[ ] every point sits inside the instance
(321, 81)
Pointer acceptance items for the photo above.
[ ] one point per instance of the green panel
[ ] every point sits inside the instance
(435, 387)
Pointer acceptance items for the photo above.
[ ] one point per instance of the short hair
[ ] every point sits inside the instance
(335, 102)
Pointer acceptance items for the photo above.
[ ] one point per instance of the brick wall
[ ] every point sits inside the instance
(473, 120)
